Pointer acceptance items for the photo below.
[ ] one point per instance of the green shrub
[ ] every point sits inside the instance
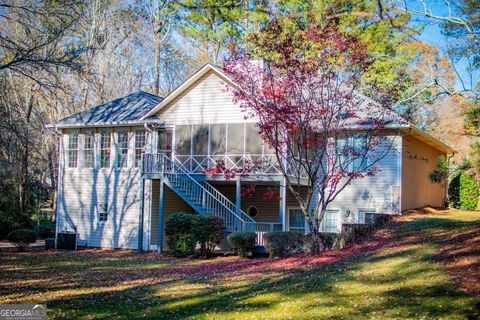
(463, 192)
(209, 231)
(45, 229)
(21, 238)
(242, 242)
(284, 243)
(469, 192)
(180, 232)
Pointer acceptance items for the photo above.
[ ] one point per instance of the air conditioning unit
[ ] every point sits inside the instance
(67, 240)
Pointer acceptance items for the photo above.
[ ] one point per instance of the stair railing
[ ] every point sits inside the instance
(202, 194)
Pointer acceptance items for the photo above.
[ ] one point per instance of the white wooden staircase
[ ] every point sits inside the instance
(201, 196)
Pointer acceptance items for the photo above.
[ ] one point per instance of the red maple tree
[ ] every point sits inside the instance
(304, 89)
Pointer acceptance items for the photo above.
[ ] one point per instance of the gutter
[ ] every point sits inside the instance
(107, 124)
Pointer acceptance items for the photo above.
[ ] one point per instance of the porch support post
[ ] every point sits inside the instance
(238, 197)
(161, 205)
(283, 204)
(140, 222)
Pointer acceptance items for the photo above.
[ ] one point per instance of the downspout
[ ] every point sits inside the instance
(142, 199)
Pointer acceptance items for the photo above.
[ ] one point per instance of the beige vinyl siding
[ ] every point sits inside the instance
(418, 161)
(268, 211)
(173, 203)
(206, 101)
(379, 192)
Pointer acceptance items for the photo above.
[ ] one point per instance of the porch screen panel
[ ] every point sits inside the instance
(200, 148)
(253, 140)
(183, 140)
(235, 145)
(217, 139)
(235, 139)
(165, 142)
(200, 139)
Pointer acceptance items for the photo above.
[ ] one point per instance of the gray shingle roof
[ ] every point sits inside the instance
(128, 109)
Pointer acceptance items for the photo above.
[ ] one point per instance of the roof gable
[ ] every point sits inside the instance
(187, 84)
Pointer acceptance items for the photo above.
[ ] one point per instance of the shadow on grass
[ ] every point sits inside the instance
(402, 284)
(433, 223)
(396, 281)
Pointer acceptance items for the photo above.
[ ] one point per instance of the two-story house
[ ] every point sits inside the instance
(125, 166)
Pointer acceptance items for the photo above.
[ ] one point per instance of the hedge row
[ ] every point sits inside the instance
(463, 192)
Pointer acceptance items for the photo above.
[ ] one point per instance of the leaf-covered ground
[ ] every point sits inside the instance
(422, 267)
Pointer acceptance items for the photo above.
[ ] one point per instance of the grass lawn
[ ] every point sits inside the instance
(421, 268)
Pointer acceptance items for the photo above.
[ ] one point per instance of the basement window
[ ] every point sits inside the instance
(103, 212)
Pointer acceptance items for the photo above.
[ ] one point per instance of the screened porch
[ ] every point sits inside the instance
(195, 148)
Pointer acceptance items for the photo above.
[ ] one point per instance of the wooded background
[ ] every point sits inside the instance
(61, 57)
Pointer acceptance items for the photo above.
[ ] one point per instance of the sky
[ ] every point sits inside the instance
(432, 34)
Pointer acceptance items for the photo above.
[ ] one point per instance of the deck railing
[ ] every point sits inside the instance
(206, 197)
(260, 164)
(261, 228)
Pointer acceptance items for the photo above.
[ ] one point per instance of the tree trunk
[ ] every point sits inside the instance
(26, 152)
(157, 63)
(314, 241)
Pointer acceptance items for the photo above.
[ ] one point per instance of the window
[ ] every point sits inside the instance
(104, 149)
(365, 216)
(352, 153)
(103, 212)
(122, 148)
(296, 220)
(341, 149)
(72, 149)
(252, 211)
(360, 161)
(330, 221)
(140, 141)
(89, 149)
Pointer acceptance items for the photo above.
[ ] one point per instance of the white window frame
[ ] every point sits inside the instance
(337, 224)
(365, 160)
(70, 149)
(92, 149)
(141, 150)
(119, 149)
(305, 227)
(365, 211)
(350, 143)
(107, 149)
(102, 211)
